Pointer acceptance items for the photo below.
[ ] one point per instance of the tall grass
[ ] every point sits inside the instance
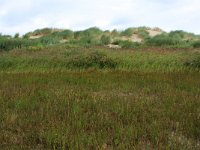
(99, 110)
(65, 58)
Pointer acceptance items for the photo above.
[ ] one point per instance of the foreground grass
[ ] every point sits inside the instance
(100, 110)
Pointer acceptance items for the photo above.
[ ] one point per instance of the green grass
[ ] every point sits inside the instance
(65, 58)
(68, 97)
(100, 110)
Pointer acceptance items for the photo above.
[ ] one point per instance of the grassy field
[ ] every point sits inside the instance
(63, 58)
(95, 98)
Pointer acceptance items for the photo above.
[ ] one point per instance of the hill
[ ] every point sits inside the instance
(128, 38)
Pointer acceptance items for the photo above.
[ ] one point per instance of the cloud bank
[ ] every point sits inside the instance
(26, 15)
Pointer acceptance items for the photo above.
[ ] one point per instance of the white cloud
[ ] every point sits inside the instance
(25, 15)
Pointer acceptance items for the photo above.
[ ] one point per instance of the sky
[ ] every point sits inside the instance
(21, 16)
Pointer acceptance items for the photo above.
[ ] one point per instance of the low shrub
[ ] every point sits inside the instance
(144, 34)
(46, 40)
(177, 34)
(126, 44)
(196, 44)
(193, 62)
(95, 59)
(105, 39)
(16, 35)
(66, 34)
(9, 44)
(128, 32)
(163, 40)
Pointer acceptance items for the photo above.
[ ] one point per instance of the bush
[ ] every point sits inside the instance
(179, 34)
(26, 36)
(8, 44)
(115, 33)
(163, 40)
(196, 44)
(128, 32)
(92, 60)
(105, 39)
(48, 40)
(144, 34)
(63, 34)
(88, 37)
(194, 62)
(126, 44)
(16, 35)
(88, 41)
(92, 31)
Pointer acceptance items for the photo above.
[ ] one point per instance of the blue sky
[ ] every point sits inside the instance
(27, 15)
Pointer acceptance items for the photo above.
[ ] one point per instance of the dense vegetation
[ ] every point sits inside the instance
(69, 90)
(100, 110)
(96, 37)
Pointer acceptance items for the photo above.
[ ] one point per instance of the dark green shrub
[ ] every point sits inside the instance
(193, 62)
(126, 44)
(89, 37)
(143, 34)
(179, 34)
(66, 34)
(92, 31)
(196, 44)
(128, 32)
(163, 40)
(47, 40)
(89, 41)
(6, 36)
(8, 44)
(129, 44)
(26, 36)
(16, 35)
(77, 34)
(105, 39)
(92, 60)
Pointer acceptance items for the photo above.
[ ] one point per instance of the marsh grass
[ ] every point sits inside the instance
(66, 97)
(100, 110)
(65, 58)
